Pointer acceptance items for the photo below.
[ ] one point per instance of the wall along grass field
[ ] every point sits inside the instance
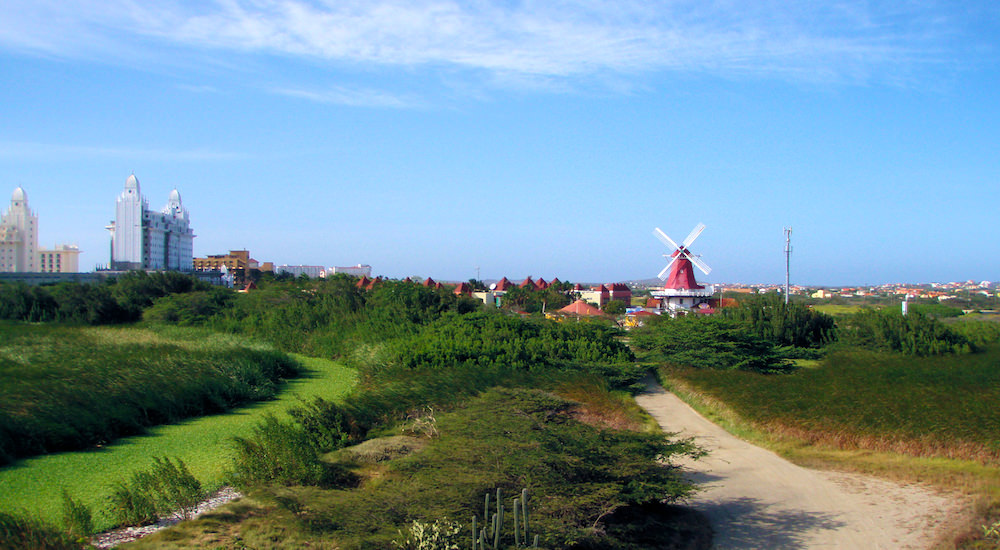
(34, 486)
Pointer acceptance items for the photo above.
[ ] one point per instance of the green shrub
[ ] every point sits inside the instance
(281, 453)
(509, 439)
(167, 488)
(912, 334)
(130, 505)
(710, 343)
(17, 533)
(77, 517)
(792, 324)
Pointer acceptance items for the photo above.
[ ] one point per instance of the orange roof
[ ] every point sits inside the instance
(540, 284)
(580, 307)
(363, 282)
(527, 282)
(463, 288)
(504, 284)
(429, 282)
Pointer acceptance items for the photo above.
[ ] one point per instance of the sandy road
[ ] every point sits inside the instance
(756, 499)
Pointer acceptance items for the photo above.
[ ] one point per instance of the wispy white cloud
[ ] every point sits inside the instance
(531, 40)
(18, 150)
(341, 95)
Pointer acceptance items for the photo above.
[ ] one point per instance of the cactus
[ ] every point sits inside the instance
(493, 523)
(524, 510)
(517, 531)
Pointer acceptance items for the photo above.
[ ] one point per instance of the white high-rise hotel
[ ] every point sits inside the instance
(19, 236)
(144, 239)
(19, 252)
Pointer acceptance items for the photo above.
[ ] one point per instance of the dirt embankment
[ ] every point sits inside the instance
(756, 499)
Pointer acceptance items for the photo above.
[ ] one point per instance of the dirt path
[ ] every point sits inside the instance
(756, 499)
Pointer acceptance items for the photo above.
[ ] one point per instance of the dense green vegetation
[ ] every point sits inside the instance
(913, 334)
(66, 388)
(792, 324)
(117, 300)
(580, 476)
(424, 355)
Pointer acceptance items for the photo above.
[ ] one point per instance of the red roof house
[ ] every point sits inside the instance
(580, 307)
(504, 284)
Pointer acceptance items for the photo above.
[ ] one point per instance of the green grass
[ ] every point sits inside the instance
(35, 485)
(837, 309)
(67, 388)
(942, 406)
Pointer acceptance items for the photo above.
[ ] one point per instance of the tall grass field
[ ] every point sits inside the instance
(65, 388)
(932, 406)
(34, 486)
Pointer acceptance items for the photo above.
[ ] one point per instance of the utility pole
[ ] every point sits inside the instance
(788, 260)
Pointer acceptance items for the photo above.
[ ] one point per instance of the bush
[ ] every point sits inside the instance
(615, 307)
(77, 517)
(281, 453)
(792, 324)
(18, 533)
(912, 334)
(493, 340)
(709, 342)
(167, 488)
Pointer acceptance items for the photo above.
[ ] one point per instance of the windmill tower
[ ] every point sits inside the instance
(682, 291)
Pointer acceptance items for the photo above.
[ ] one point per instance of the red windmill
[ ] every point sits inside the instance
(679, 267)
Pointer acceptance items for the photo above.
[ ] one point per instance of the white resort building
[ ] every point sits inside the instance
(19, 236)
(149, 240)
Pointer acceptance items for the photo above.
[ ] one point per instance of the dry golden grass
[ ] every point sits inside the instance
(601, 407)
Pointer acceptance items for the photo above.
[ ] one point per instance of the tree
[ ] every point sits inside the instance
(614, 307)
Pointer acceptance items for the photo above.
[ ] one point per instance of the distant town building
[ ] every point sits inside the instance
(359, 270)
(144, 239)
(312, 271)
(61, 259)
(19, 236)
(236, 260)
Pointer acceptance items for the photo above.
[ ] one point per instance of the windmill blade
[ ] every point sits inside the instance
(664, 238)
(663, 274)
(701, 265)
(694, 235)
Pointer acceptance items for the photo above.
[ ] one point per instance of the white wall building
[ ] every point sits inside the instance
(359, 270)
(145, 239)
(312, 271)
(19, 236)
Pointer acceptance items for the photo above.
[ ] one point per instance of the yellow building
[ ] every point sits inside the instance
(236, 260)
(63, 258)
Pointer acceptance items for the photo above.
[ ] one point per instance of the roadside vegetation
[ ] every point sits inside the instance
(65, 388)
(909, 397)
(34, 486)
(496, 402)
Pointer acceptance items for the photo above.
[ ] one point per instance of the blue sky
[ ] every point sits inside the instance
(429, 138)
